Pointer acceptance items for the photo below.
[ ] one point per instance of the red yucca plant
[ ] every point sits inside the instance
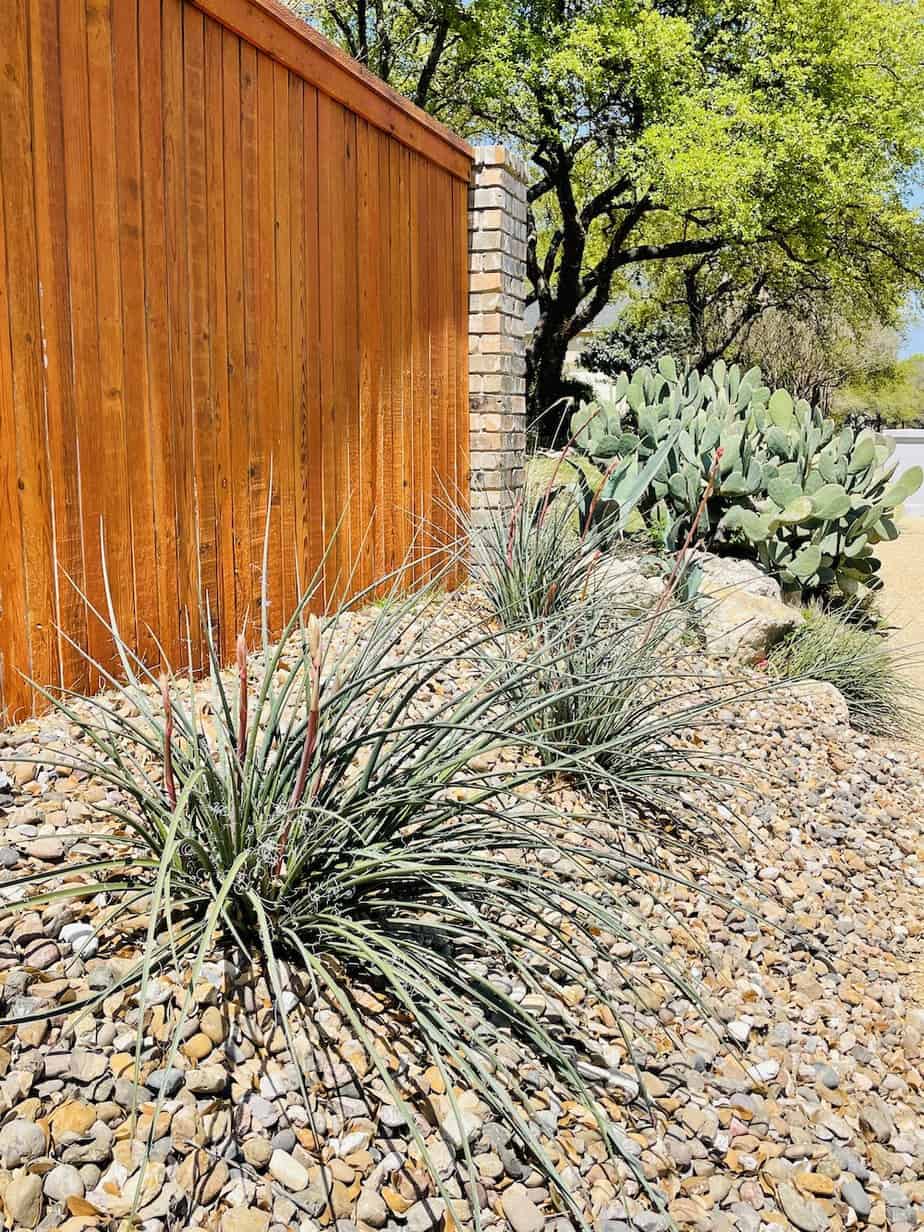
(340, 826)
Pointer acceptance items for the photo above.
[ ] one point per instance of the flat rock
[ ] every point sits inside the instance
(804, 1213)
(23, 1200)
(520, 1211)
(20, 1142)
(288, 1171)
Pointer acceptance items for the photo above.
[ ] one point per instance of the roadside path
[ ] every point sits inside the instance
(903, 592)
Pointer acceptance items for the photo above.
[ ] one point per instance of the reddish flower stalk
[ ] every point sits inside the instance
(242, 698)
(594, 557)
(311, 738)
(681, 555)
(596, 497)
(550, 598)
(169, 784)
(511, 530)
(561, 458)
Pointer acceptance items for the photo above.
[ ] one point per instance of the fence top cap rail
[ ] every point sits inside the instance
(276, 31)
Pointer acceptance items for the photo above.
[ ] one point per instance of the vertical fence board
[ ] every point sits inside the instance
(179, 395)
(202, 424)
(265, 444)
(313, 475)
(138, 429)
(26, 351)
(51, 230)
(157, 328)
(223, 255)
(15, 650)
(108, 441)
(219, 346)
(238, 437)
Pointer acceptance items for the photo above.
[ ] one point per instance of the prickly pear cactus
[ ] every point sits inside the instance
(808, 499)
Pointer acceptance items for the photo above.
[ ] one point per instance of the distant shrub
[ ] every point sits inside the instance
(865, 666)
(628, 346)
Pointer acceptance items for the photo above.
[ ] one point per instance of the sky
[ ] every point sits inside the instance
(913, 342)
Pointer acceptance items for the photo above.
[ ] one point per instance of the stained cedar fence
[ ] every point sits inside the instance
(225, 250)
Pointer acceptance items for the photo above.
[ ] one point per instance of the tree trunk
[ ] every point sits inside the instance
(549, 393)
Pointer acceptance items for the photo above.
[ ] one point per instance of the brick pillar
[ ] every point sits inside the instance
(497, 342)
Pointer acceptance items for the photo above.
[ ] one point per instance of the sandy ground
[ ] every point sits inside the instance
(903, 596)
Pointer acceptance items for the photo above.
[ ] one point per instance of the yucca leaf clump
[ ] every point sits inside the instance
(623, 700)
(870, 671)
(533, 560)
(365, 806)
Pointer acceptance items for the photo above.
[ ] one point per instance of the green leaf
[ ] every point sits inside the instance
(780, 409)
(799, 510)
(864, 453)
(806, 563)
(906, 485)
(755, 526)
(830, 501)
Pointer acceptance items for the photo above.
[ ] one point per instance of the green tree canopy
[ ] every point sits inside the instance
(890, 398)
(774, 140)
(781, 133)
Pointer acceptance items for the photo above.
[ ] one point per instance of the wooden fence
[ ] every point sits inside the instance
(224, 251)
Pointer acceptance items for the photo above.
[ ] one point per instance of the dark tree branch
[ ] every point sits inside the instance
(427, 73)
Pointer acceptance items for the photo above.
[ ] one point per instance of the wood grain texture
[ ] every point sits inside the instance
(232, 271)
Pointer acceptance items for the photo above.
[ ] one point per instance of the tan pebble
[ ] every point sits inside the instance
(815, 1183)
(212, 1023)
(342, 1171)
(32, 1033)
(73, 1117)
(197, 1046)
(245, 1219)
(120, 1062)
(397, 1204)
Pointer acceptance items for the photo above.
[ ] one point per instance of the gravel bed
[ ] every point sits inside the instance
(798, 1102)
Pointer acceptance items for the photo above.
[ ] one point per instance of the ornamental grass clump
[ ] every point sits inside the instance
(359, 808)
(534, 559)
(530, 560)
(621, 701)
(871, 672)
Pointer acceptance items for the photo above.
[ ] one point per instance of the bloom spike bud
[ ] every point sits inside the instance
(169, 784)
(314, 637)
(242, 697)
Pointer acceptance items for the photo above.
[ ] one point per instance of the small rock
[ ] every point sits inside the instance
(213, 1024)
(371, 1208)
(426, 1215)
(50, 850)
(81, 938)
(257, 1152)
(165, 1082)
(288, 1171)
(521, 1212)
(80, 1065)
(875, 1117)
(197, 1047)
(20, 1142)
(804, 1213)
(63, 1182)
(853, 1193)
(245, 1219)
(23, 1200)
(207, 1080)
